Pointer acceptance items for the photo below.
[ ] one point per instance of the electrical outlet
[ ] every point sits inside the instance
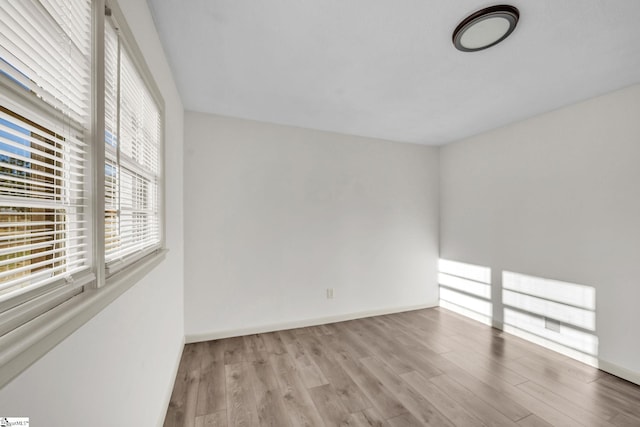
(329, 293)
(551, 324)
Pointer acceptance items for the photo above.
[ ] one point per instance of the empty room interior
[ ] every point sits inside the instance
(319, 213)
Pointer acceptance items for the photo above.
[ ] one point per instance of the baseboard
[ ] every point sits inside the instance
(192, 338)
(598, 363)
(619, 371)
(169, 391)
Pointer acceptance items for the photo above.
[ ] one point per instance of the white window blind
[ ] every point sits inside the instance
(45, 83)
(132, 157)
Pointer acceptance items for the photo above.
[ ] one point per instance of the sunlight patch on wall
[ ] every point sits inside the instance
(473, 272)
(466, 289)
(557, 315)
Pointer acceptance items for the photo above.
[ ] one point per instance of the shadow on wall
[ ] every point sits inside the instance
(558, 315)
(466, 289)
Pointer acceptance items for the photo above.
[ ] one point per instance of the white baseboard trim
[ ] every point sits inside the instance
(208, 336)
(167, 397)
(603, 365)
(619, 371)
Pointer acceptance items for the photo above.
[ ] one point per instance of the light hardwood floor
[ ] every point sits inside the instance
(424, 367)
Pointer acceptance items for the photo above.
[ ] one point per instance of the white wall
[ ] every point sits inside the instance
(274, 215)
(557, 196)
(120, 366)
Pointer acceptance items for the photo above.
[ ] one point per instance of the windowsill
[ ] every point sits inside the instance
(23, 346)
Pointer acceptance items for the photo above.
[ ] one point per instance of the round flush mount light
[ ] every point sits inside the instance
(485, 28)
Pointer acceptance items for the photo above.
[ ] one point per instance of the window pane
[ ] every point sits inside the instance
(45, 66)
(132, 222)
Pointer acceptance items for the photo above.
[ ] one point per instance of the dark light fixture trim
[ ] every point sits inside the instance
(505, 12)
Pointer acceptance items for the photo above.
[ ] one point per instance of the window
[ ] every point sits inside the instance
(45, 71)
(59, 237)
(132, 154)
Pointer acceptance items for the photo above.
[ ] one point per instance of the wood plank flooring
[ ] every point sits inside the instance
(424, 367)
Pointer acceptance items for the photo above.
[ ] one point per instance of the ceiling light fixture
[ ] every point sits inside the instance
(485, 28)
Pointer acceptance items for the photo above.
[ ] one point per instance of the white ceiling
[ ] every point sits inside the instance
(387, 69)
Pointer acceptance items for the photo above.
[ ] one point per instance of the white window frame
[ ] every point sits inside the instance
(28, 342)
(128, 45)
